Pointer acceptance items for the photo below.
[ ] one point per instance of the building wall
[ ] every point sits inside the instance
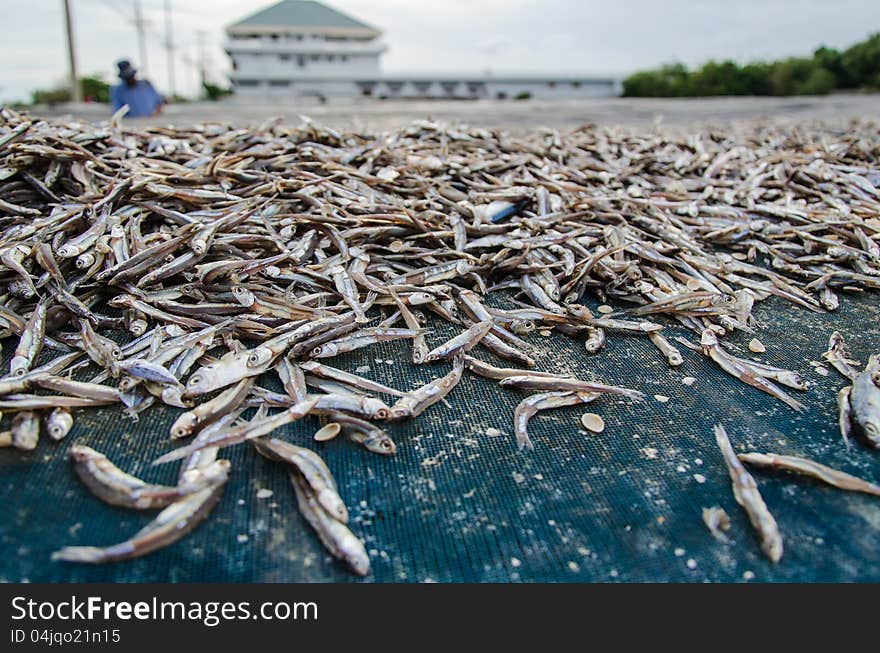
(306, 64)
(546, 89)
(289, 65)
(265, 89)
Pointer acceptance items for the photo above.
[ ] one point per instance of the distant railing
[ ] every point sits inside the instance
(306, 46)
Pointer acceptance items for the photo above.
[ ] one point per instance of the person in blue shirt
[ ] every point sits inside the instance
(140, 96)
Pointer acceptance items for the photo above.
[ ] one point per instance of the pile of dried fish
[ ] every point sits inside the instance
(224, 254)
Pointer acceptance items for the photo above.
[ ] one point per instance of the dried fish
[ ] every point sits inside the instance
(312, 469)
(530, 406)
(816, 470)
(232, 252)
(746, 493)
(170, 525)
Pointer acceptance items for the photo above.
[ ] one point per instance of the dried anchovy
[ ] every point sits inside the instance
(292, 240)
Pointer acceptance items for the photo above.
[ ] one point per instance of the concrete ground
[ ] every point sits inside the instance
(378, 115)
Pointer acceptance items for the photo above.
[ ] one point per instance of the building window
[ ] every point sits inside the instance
(284, 57)
(234, 64)
(279, 82)
(576, 84)
(330, 57)
(301, 61)
(344, 58)
(315, 57)
(274, 37)
(247, 82)
(551, 84)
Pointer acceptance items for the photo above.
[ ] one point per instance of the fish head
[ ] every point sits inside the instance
(243, 296)
(398, 412)
(173, 396)
(85, 260)
(871, 429)
(200, 382)
(324, 351)
(57, 430)
(793, 379)
(259, 356)
(81, 453)
(183, 426)
(66, 251)
(381, 444)
(376, 408)
(359, 563)
(418, 298)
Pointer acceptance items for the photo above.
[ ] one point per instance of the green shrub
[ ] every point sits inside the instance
(857, 67)
(93, 88)
(214, 92)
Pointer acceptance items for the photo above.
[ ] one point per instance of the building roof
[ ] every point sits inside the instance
(296, 15)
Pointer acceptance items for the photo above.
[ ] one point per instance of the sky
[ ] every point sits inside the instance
(598, 37)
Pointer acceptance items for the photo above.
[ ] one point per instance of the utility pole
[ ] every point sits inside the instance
(75, 88)
(169, 48)
(203, 77)
(142, 42)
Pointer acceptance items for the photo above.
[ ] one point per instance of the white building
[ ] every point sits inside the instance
(299, 48)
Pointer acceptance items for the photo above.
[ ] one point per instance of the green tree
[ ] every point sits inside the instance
(857, 67)
(95, 88)
(861, 63)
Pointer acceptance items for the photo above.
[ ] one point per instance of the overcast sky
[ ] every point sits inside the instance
(571, 36)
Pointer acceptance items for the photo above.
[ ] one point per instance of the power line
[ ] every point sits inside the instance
(152, 34)
(142, 43)
(198, 63)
